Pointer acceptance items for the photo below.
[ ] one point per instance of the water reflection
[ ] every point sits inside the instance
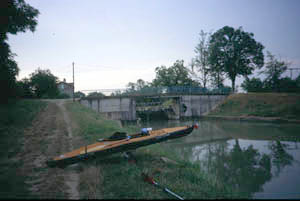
(280, 156)
(243, 168)
(260, 160)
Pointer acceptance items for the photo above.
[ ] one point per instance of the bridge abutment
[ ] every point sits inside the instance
(115, 108)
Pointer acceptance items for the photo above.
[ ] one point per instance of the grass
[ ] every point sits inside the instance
(284, 105)
(117, 178)
(15, 117)
(90, 125)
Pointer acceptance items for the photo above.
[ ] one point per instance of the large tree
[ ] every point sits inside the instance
(44, 84)
(235, 52)
(15, 16)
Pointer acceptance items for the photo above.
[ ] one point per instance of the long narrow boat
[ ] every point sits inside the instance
(109, 146)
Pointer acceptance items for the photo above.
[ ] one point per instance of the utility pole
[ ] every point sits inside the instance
(73, 84)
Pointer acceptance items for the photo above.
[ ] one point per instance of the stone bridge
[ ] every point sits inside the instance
(125, 107)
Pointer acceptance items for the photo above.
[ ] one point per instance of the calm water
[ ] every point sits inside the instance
(261, 160)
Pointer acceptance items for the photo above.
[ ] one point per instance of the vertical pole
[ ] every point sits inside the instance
(73, 84)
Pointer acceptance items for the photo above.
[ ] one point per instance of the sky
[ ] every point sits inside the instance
(114, 42)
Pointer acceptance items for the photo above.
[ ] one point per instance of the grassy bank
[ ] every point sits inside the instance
(114, 177)
(265, 105)
(14, 119)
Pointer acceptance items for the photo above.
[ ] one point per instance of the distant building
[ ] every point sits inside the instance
(66, 88)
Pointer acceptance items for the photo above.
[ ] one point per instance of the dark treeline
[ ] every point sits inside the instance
(40, 84)
(273, 82)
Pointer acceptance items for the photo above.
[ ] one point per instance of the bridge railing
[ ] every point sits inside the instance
(150, 91)
(177, 90)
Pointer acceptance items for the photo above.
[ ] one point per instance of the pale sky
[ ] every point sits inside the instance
(114, 42)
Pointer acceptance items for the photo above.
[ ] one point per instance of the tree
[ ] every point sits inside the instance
(116, 93)
(79, 94)
(175, 75)
(286, 84)
(139, 85)
(16, 16)
(8, 72)
(44, 84)
(217, 77)
(235, 53)
(25, 87)
(273, 70)
(200, 62)
(95, 94)
(298, 81)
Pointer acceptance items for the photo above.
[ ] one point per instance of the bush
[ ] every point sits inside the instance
(63, 96)
(285, 84)
(288, 85)
(253, 85)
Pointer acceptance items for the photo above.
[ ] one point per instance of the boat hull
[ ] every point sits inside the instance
(120, 148)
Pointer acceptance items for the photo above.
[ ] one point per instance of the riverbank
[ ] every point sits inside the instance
(272, 107)
(116, 177)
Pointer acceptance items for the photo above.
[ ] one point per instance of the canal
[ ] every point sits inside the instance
(259, 160)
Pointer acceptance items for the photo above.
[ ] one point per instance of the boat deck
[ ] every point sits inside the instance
(99, 146)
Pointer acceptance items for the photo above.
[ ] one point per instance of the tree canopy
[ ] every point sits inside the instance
(139, 85)
(95, 94)
(16, 16)
(44, 84)
(235, 52)
(175, 75)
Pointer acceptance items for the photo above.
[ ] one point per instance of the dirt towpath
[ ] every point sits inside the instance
(50, 135)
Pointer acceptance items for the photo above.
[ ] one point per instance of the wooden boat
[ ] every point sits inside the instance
(110, 146)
